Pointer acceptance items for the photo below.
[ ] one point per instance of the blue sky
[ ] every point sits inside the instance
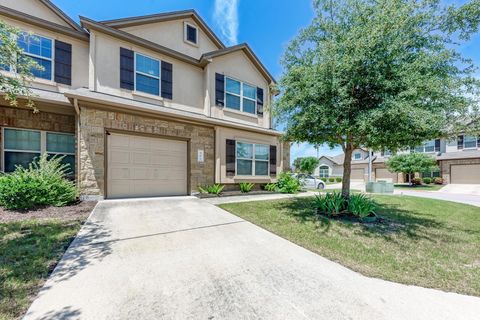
(267, 26)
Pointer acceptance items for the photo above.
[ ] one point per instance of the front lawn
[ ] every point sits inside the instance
(423, 187)
(31, 244)
(424, 242)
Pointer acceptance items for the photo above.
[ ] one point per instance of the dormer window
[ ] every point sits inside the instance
(191, 34)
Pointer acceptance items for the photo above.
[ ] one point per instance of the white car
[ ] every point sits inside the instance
(310, 182)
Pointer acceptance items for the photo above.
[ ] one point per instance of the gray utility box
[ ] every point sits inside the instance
(379, 187)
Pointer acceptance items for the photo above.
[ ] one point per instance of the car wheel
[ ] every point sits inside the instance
(321, 186)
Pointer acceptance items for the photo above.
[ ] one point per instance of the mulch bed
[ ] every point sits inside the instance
(77, 211)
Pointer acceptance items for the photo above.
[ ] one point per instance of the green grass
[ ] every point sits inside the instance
(424, 242)
(29, 250)
(423, 187)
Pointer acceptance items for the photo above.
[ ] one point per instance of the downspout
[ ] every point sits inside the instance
(77, 157)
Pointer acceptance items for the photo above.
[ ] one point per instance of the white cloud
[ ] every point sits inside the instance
(307, 150)
(225, 16)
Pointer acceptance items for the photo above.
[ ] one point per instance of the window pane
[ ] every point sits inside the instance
(36, 45)
(470, 141)
(261, 152)
(430, 146)
(191, 34)
(244, 150)
(249, 106)
(46, 73)
(249, 91)
(57, 142)
(358, 156)
(244, 167)
(232, 86)
(22, 140)
(147, 65)
(18, 158)
(67, 159)
(147, 84)
(261, 168)
(233, 102)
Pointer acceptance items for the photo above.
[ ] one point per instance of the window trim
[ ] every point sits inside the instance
(43, 145)
(32, 55)
(185, 37)
(241, 96)
(135, 91)
(253, 159)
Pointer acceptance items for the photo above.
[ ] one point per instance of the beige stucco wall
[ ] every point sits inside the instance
(34, 8)
(105, 75)
(171, 35)
(237, 66)
(80, 53)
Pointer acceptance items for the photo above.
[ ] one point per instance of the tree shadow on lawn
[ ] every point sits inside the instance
(393, 221)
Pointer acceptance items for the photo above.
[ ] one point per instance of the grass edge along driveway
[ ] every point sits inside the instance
(424, 242)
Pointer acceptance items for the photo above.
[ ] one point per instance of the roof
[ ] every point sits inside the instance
(61, 14)
(248, 51)
(166, 16)
(465, 154)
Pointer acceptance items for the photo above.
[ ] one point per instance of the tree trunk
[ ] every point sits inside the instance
(347, 170)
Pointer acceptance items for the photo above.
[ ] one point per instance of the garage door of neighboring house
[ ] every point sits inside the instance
(139, 166)
(357, 174)
(382, 174)
(465, 173)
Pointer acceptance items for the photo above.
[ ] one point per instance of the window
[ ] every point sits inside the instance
(324, 172)
(252, 159)
(469, 142)
(428, 146)
(431, 174)
(147, 74)
(357, 156)
(240, 96)
(21, 147)
(40, 49)
(386, 153)
(190, 33)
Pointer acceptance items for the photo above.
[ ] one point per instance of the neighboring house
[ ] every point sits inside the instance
(333, 166)
(144, 106)
(458, 161)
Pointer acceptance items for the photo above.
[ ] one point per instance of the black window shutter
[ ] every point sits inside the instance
(127, 69)
(63, 62)
(230, 158)
(219, 90)
(273, 161)
(478, 142)
(260, 101)
(460, 142)
(167, 80)
(437, 145)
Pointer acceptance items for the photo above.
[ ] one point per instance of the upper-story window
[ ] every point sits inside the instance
(357, 156)
(240, 96)
(386, 153)
(428, 146)
(147, 74)
(468, 142)
(40, 49)
(191, 34)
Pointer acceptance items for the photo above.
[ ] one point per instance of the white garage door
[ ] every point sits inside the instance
(357, 174)
(465, 174)
(382, 174)
(141, 166)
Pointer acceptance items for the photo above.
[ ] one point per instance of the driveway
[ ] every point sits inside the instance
(184, 258)
(470, 189)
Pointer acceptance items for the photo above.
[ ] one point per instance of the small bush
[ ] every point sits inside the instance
(427, 180)
(213, 189)
(246, 187)
(270, 187)
(417, 181)
(331, 179)
(330, 203)
(438, 180)
(288, 184)
(42, 183)
(338, 179)
(360, 205)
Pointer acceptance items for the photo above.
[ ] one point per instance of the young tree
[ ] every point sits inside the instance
(308, 165)
(409, 163)
(296, 163)
(16, 83)
(378, 74)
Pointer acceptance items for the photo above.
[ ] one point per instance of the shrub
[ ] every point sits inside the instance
(246, 187)
(360, 205)
(213, 189)
(288, 184)
(438, 180)
(417, 181)
(427, 180)
(330, 203)
(331, 179)
(43, 183)
(270, 187)
(338, 179)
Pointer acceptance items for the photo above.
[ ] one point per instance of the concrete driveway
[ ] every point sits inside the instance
(470, 189)
(184, 258)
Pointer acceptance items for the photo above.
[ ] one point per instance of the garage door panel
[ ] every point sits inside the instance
(465, 174)
(141, 158)
(119, 157)
(357, 174)
(118, 141)
(382, 174)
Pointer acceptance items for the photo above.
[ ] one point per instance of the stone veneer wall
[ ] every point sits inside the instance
(445, 166)
(286, 156)
(93, 123)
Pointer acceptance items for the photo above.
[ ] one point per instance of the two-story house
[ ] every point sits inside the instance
(143, 106)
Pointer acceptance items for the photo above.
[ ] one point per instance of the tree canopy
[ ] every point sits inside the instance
(308, 164)
(411, 163)
(379, 74)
